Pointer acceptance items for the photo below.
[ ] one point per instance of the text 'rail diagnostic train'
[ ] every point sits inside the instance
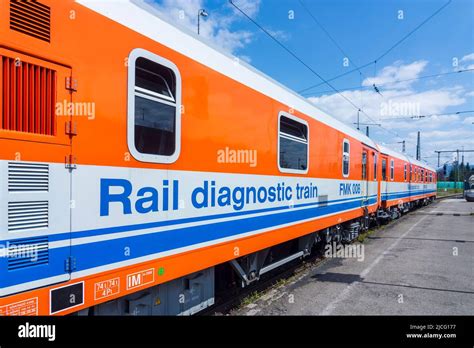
(142, 170)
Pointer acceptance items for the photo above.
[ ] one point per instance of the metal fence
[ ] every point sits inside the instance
(450, 185)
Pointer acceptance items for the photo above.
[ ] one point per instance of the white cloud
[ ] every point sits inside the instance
(468, 61)
(398, 71)
(467, 57)
(393, 104)
(250, 7)
(217, 27)
(398, 103)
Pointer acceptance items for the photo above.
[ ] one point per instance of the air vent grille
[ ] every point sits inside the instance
(28, 177)
(27, 252)
(28, 98)
(27, 215)
(31, 18)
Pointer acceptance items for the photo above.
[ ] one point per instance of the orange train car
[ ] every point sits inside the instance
(139, 165)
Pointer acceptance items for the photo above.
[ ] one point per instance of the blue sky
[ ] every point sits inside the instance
(364, 29)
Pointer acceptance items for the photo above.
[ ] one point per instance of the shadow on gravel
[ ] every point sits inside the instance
(430, 239)
(352, 278)
(337, 278)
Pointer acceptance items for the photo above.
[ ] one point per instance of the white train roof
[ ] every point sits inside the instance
(385, 150)
(146, 20)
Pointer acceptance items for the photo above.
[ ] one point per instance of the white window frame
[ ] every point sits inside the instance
(299, 120)
(375, 157)
(346, 141)
(144, 157)
(381, 171)
(392, 169)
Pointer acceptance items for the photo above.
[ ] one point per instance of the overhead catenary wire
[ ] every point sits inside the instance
(333, 40)
(391, 48)
(307, 66)
(310, 13)
(419, 117)
(394, 81)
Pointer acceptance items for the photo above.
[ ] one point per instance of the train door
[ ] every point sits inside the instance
(365, 177)
(374, 189)
(383, 185)
(34, 180)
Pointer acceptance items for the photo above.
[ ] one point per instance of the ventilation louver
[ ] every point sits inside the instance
(31, 18)
(28, 98)
(27, 252)
(28, 177)
(28, 215)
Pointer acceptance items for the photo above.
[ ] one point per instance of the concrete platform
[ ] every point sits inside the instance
(421, 264)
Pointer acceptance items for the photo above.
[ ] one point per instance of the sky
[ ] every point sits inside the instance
(333, 37)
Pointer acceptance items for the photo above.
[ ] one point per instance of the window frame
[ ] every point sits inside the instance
(346, 141)
(134, 55)
(405, 176)
(364, 165)
(375, 158)
(299, 120)
(392, 169)
(384, 177)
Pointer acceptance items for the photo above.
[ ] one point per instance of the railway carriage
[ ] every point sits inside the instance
(139, 175)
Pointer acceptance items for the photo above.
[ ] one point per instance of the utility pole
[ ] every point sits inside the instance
(201, 13)
(458, 167)
(358, 119)
(418, 154)
(365, 124)
(403, 146)
(457, 157)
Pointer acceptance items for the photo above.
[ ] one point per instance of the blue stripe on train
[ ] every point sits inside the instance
(404, 194)
(110, 251)
(135, 227)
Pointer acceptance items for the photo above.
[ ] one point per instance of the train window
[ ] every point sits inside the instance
(375, 166)
(384, 169)
(154, 108)
(411, 172)
(422, 175)
(346, 153)
(293, 142)
(392, 169)
(405, 172)
(364, 165)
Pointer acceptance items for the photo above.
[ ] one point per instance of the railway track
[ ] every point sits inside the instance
(229, 300)
(233, 298)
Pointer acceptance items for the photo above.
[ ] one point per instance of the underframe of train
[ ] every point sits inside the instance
(195, 292)
(386, 214)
